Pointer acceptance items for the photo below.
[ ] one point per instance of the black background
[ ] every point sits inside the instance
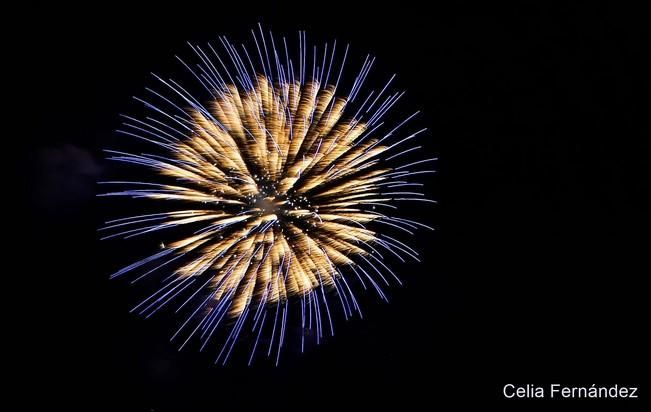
(534, 274)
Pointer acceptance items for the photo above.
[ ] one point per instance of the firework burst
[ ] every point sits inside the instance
(277, 185)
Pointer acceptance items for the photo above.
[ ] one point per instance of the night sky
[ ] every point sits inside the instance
(533, 275)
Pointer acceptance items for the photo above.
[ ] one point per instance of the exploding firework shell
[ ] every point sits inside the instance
(283, 187)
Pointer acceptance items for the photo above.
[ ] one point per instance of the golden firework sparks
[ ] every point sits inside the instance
(280, 183)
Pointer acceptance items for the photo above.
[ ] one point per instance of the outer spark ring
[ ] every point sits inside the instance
(282, 176)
